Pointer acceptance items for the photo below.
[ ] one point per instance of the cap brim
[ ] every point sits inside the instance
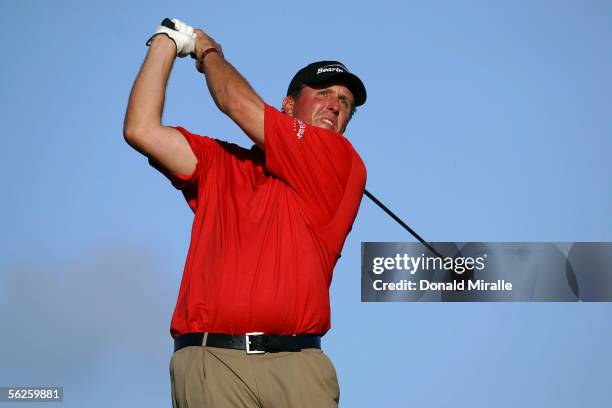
(351, 81)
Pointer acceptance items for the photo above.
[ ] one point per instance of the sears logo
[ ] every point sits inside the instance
(331, 68)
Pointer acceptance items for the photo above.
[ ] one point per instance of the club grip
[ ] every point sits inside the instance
(168, 23)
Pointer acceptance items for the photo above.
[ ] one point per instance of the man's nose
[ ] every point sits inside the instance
(334, 104)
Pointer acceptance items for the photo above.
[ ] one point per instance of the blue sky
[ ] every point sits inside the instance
(485, 121)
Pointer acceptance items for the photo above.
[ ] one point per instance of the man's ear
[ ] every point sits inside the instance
(288, 103)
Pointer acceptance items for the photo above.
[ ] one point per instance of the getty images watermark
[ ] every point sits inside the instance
(400, 272)
(413, 264)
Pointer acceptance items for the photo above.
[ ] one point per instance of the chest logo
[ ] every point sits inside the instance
(299, 127)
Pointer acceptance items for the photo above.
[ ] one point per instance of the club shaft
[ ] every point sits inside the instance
(402, 223)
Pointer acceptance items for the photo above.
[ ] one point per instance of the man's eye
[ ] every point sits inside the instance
(344, 103)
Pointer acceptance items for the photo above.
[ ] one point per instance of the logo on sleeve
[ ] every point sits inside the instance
(298, 127)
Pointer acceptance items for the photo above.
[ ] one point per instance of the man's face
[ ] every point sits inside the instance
(327, 106)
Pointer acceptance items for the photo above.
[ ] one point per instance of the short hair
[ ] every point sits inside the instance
(296, 91)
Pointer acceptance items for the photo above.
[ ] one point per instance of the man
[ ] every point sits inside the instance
(269, 226)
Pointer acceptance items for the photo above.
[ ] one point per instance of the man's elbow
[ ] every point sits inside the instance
(134, 135)
(130, 134)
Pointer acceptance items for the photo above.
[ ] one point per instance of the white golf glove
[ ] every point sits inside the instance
(181, 33)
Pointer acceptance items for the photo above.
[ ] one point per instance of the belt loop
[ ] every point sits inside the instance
(204, 339)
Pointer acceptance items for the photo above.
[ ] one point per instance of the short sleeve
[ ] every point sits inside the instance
(206, 151)
(314, 162)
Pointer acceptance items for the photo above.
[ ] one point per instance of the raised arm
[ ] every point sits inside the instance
(230, 91)
(142, 127)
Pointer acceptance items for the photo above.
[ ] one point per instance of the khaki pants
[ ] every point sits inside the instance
(210, 377)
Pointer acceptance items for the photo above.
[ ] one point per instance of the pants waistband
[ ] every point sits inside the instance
(253, 343)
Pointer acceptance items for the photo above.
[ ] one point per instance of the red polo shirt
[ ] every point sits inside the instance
(268, 229)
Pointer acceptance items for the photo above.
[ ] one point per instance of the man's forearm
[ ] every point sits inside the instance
(147, 98)
(230, 91)
(227, 86)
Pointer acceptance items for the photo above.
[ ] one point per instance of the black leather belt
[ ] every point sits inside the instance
(253, 343)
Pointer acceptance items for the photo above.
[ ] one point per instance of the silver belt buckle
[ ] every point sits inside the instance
(247, 343)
